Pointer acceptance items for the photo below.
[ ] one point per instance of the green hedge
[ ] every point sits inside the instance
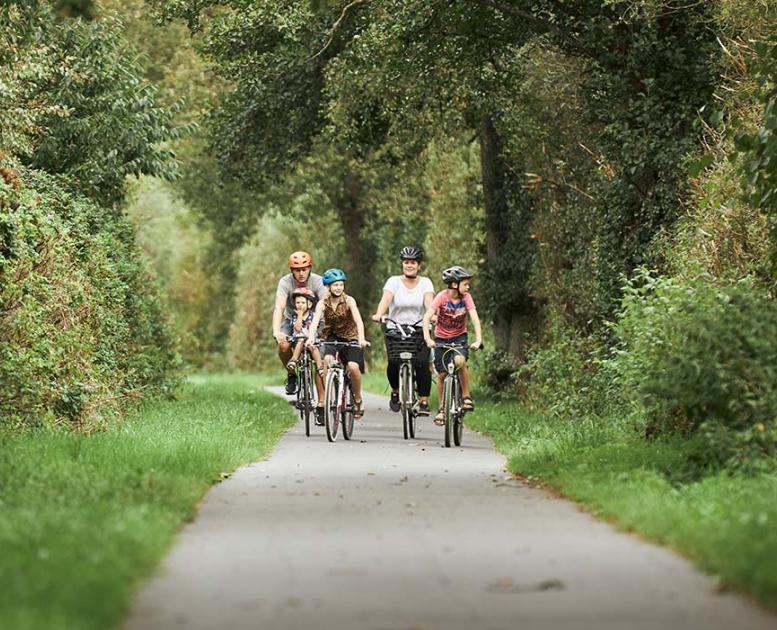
(82, 330)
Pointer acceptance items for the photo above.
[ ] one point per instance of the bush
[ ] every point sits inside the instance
(565, 378)
(82, 330)
(700, 358)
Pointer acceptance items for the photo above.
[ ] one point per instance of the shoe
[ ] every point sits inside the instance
(319, 416)
(439, 419)
(394, 401)
(358, 410)
(291, 383)
(423, 408)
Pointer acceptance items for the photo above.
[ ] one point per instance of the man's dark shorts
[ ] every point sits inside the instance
(459, 340)
(347, 353)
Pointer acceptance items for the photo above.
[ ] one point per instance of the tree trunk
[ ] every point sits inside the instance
(359, 256)
(509, 249)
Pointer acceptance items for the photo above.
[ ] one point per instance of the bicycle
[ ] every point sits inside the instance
(452, 402)
(403, 343)
(338, 395)
(306, 401)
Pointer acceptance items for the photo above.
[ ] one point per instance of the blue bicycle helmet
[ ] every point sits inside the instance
(333, 275)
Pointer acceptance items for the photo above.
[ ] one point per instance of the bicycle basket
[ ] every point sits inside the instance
(395, 345)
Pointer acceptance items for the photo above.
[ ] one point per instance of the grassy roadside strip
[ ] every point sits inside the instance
(83, 518)
(725, 524)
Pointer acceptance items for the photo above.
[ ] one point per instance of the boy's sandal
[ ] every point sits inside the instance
(467, 404)
(291, 366)
(358, 412)
(439, 419)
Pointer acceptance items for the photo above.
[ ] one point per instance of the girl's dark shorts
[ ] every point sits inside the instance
(460, 340)
(348, 354)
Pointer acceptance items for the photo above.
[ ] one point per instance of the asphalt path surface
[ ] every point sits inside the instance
(390, 534)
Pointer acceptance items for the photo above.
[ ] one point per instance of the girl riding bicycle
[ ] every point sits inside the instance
(452, 306)
(342, 322)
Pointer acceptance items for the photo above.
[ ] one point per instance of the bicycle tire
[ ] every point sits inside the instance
(304, 398)
(412, 417)
(458, 418)
(447, 406)
(404, 398)
(331, 403)
(347, 413)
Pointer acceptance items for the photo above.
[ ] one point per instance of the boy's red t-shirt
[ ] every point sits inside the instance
(451, 314)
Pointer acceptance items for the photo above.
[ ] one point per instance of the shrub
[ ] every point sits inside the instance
(82, 330)
(700, 358)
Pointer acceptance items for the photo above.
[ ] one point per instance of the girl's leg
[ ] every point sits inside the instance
(463, 376)
(297, 350)
(356, 379)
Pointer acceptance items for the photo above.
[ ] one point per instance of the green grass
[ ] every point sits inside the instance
(724, 523)
(83, 518)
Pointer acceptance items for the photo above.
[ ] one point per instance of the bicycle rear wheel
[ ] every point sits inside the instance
(346, 413)
(331, 403)
(405, 398)
(458, 417)
(448, 410)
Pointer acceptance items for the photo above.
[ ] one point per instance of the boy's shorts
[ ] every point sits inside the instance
(347, 353)
(459, 340)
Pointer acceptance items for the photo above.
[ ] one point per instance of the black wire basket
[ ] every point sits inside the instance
(396, 344)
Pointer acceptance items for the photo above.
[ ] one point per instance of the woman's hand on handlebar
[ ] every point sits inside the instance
(363, 343)
(476, 345)
(430, 343)
(378, 318)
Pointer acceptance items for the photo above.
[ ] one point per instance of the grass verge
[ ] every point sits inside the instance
(724, 523)
(83, 518)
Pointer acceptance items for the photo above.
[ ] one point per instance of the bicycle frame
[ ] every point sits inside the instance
(305, 402)
(407, 393)
(452, 403)
(338, 395)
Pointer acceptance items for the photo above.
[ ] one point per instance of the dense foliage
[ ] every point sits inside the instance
(83, 329)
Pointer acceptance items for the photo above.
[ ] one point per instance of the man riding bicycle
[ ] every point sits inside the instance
(300, 265)
(406, 298)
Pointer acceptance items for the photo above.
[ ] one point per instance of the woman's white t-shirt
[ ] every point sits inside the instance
(407, 307)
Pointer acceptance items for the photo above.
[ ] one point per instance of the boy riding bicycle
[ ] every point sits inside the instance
(452, 306)
(342, 322)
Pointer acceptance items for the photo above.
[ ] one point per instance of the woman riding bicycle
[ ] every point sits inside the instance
(342, 322)
(406, 298)
(452, 306)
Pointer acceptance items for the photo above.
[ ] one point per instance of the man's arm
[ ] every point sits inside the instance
(277, 316)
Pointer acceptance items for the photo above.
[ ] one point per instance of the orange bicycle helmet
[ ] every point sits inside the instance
(300, 260)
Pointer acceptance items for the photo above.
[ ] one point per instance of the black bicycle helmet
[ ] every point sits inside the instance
(456, 274)
(411, 252)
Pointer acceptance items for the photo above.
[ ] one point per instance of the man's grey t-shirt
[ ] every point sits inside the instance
(287, 284)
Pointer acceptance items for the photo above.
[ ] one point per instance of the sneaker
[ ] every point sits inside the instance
(423, 408)
(319, 416)
(394, 401)
(291, 383)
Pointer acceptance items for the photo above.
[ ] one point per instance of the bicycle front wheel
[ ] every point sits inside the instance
(448, 408)
(332, 402)
(304, 397)
(405, 398)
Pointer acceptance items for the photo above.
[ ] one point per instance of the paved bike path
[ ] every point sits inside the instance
(386, 534)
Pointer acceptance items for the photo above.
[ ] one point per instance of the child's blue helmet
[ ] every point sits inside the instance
(333, 275)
